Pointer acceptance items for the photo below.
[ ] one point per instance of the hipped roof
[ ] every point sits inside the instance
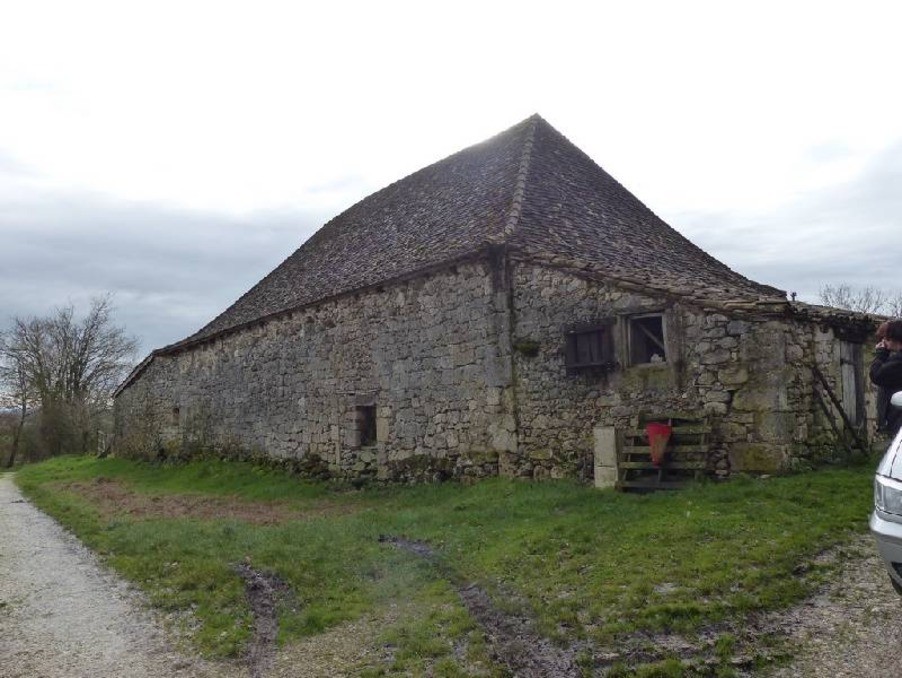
(528, 188)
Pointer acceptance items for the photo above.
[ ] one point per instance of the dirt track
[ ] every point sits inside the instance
(852, 628)
(63, 615)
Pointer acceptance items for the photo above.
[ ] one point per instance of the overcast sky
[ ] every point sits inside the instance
(173, 153)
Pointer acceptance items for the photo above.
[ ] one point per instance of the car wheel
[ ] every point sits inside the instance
(896, 585)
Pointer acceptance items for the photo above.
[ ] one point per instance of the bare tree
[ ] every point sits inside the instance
(14, 394)
(70, 368)
(893, 305)
(868, 299)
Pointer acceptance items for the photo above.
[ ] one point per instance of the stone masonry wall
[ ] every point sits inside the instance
(750, 377)
(466, 371)
(426, 353)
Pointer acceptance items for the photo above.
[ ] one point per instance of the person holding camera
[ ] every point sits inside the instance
(886, 371)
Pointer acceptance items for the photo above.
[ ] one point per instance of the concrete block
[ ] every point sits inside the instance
(605, 476)
(605, 446)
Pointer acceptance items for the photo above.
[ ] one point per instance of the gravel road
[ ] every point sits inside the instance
(63, 615)
(853, 627)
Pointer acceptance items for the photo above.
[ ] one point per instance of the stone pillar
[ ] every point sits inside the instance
(605, 456)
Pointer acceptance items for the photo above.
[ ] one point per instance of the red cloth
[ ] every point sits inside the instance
(658, 436)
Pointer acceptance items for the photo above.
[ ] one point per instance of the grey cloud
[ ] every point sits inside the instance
(171, 271)
(828, 151)
(846, 233)
(12, 168)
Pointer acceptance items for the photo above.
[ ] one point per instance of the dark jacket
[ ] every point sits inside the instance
(886, 372)
(883, 408)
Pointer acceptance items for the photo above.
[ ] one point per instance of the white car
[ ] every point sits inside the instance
(886, 520)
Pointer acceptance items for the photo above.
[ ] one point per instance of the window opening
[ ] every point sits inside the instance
(366, 424)
(590, 347)
(174, 420)
(646, 335)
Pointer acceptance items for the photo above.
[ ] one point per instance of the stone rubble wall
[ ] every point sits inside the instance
(443, 359)
(751, 378)
(425, 353)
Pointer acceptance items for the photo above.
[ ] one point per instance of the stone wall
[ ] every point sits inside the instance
(463, 372)
(424, 353)
(750, 377)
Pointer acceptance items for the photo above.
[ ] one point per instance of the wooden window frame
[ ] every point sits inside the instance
(631, 326)
(598, 338)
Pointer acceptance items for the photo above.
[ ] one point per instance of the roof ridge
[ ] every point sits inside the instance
(513, 216)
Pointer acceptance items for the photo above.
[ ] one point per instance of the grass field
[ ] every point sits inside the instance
(598, 571)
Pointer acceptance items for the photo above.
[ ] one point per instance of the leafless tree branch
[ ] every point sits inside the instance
(67, 367)
(868, 299)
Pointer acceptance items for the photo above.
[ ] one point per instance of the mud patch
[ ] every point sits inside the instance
(770, 638)
(113, 499)
(265, 591)
(411, 546)
(512, 639)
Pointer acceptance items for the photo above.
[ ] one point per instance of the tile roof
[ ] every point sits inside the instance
(528, 188)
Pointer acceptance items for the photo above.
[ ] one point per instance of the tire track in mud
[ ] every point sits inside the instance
(513, 639)
(264, 591)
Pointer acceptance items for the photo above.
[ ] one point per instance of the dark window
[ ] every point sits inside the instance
(646, 334)
(175, 416)
(590, 347)
(366, 424)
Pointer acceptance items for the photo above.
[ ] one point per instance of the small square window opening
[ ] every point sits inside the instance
(366, 424)
(646, 339)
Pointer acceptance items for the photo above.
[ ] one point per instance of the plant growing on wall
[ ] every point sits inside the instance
(527, 347)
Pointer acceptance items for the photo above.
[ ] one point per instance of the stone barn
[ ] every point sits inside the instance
(510, 310)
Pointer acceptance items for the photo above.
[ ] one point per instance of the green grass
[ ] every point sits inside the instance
(589, 564)
(208, 477)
